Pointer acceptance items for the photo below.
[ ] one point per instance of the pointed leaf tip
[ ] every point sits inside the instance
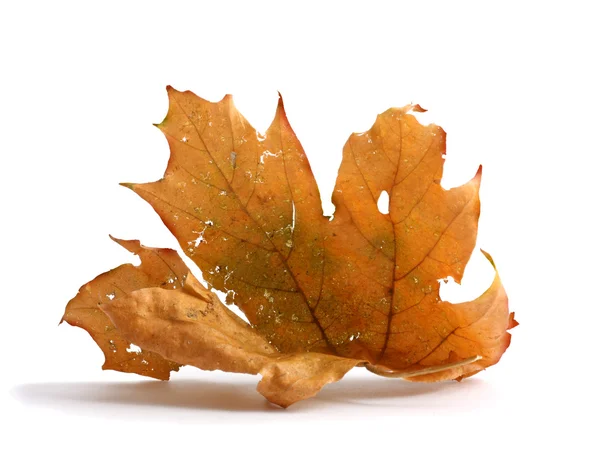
(281, 114)
(488, 256)
(280, 102)
(476, 179)
(479, 172)
(129, 185)
(512, 322)
(133, 246)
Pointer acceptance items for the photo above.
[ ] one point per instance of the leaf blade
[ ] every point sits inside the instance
(193, 327)
(159, 267)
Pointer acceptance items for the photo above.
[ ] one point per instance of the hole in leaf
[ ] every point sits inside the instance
(133, 349)
(383, 203)
(477, 278)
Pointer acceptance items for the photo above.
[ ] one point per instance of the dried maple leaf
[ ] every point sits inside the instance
(322, 295)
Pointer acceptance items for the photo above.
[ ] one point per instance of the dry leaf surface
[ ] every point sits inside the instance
(321, 294)
(191, 326)
(159, 268)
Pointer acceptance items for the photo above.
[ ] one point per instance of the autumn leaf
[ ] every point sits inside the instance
(321, 294)
(159, 268)
(193, 327)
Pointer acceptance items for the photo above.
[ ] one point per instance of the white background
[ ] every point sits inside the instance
(514, 85)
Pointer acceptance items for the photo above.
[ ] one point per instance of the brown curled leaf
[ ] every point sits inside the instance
(247, 210)
(193, 327)
(158, 268)
(321, 294)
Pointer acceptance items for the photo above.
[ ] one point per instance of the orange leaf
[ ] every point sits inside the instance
(193, 327)
(159, 268)
(359, 289)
